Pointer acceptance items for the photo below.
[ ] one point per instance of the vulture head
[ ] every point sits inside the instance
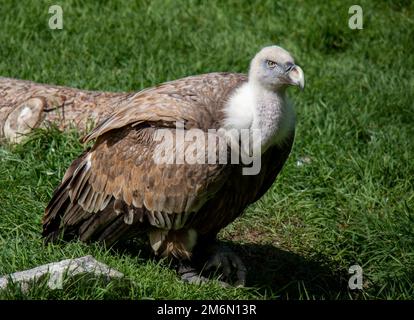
(274, 68)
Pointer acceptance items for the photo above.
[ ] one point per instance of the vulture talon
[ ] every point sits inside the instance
(193, 278)
(197, 279)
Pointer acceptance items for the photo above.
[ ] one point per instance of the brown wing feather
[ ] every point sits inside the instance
(195, 100)
(119, 173)
(121, 166)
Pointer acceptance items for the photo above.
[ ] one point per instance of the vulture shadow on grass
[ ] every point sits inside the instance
(278, 273)
(273, 272)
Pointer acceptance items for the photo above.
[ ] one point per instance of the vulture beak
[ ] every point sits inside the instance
(295, 75)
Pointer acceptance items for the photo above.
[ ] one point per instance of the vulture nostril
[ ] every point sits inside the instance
(289, 66)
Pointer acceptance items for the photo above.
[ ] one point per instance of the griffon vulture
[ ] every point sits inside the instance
(117, 190)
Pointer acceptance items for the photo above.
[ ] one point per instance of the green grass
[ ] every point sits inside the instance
(352, 204)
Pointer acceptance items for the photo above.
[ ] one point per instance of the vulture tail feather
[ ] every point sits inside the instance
(61, 203)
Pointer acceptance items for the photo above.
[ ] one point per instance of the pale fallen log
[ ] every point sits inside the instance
(25, 105)
(58, 271)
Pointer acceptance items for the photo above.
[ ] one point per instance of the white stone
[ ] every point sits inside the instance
(58, 270)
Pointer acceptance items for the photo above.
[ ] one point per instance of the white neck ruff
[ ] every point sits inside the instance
(262, 111)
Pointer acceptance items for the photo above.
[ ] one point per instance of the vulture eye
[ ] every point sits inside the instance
(271, 64)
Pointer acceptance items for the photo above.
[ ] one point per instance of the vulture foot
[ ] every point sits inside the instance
(232, 268)
(190, 274)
